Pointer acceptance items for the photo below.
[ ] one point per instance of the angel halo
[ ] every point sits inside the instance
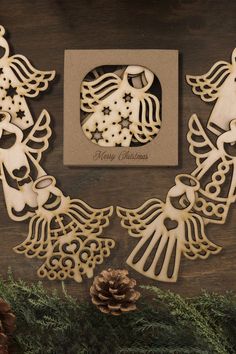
(120, 110)
(64, 232)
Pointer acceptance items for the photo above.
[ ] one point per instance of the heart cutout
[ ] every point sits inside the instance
(170, 224)
(71, 248)
(20, 172)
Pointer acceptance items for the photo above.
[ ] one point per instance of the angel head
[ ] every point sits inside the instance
(14, 162)
(138, 77)
(226, 142)
(183, 194)
(7, 127)
(4, 47)
(218, 84)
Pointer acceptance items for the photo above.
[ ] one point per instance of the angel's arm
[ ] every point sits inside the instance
(207, 86)
(32, 81)
(93, 92)
(149, 118)
(37, 140)
(92, 221)
(197, 245)
(200, 145)
(137, 220)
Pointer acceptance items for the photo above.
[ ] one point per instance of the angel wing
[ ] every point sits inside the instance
(197, 244)
(37, 242)
(93, 92)
(207, 86)
(37, 139)
(32, 80)
(200, 145)
(92, 221)
(149, 118)
(137, 220)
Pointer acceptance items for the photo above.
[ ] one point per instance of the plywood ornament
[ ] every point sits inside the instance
(167, 231)
(218, 84)
(64, 232)
(19, 163)
(19, 80)
(216, 171)
(121, 110)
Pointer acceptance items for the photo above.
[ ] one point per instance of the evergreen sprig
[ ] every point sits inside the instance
(165, 323)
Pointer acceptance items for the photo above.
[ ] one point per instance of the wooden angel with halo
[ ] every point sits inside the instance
(216, 170)
(166, 231)
(215, 163)
(120, 110)
(218, 85)
(19, 80)
(64, 232)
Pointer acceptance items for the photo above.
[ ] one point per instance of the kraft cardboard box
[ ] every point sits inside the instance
(82, 150)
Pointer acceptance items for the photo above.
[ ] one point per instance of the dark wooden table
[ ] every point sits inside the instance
(203, 32)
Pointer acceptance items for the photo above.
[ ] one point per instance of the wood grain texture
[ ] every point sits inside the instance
(204, 32)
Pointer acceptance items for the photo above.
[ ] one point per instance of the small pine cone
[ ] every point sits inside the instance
(113, 292)
(7, 326)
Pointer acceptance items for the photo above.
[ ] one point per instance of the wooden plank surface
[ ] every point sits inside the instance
(203, 32)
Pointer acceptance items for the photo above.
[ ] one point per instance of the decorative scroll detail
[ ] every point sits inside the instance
(167, 230)
(121, 110)
(218, 84)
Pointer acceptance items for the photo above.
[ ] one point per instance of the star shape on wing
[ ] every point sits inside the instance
(127, 97)
(106, 111)
(1, 71)
(20, 114)
(96, 135)
(11, 91)
(125, 122)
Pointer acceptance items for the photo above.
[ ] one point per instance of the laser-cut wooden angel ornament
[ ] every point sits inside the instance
(166, 231)
(216, 170)
(218, 84)
(19, 163)
(121, 110)
(18, 80)
(65, 233)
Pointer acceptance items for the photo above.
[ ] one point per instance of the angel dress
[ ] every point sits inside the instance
(215, 171)
(19, 79)
(120, 114)
(19, 163)
(64, 232)
(167, 230)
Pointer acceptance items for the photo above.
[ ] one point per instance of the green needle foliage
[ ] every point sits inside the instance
(165, 323)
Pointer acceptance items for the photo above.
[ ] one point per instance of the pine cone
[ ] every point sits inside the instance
(7, 326)
(113, 292)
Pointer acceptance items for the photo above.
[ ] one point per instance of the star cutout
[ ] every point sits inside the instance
(127, 97)
(106, 111)
(96, 135)
(1, 71)
(125, 122)
(20, 114)
(11, 91)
